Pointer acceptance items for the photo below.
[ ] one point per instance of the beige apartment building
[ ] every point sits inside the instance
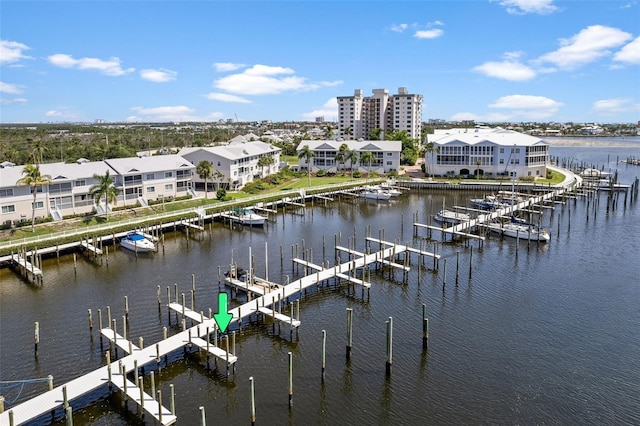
(358, 115)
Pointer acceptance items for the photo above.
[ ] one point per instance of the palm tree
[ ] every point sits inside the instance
(367, 157)
(430, 148)
(307, 153)
(348, 131)
(204, 169)
(328, 132)
(478, 162)
(265, 161)
(104, 188)
(352, 156)
(341, 155)
(218, 176)
(34, 178)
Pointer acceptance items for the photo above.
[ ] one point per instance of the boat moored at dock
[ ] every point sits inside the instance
(138, 242)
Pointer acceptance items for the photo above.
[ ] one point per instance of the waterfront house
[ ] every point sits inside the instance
(236, 163)
(386, 153)
(68, 193)
(486, 152)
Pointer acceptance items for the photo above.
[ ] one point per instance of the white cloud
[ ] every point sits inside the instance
(509, 69)
(629, 53)
(110, 67)
(158, 76)
(329, 111)
(179, 113)
(615, 106)
(428, 34)
(5, 101)
(67, 115)
(590, 44)
(522, 7)
(225, 97)
(12, 89)
(528, 106)
(12, 51)
(227, 66)
(266, 80)
(399, 27)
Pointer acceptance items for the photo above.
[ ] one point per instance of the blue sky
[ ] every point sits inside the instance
(493, 60)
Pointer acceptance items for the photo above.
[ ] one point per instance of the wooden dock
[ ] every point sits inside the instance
(90, 247)
(25, 265)
(44, 403)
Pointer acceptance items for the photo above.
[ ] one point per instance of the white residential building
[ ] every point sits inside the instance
(486, 151)
(386, 153)
(236, 163)
(68, 193)
(361, 114)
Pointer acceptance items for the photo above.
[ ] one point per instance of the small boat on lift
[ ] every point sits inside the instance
(451, 217)
(520, 230)
(247, 217)
(374, 193)
(138, 242)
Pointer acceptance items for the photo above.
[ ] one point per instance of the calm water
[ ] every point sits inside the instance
(547, 335)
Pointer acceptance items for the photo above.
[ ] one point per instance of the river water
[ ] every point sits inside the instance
(545, 334)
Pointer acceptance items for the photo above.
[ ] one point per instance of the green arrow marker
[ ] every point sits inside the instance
(223, 317)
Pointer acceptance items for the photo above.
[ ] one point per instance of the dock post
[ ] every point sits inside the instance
(349, 332)
(389, 345)
(68, 413)
(2, 403)
(123, 371)
(50, 381)
(141, 343)
(90, 321)
(109, 315)
(290, 380)
(173, 400)
(470, 261)
(324, 352)
(203, 417)
(135, 370)
(141, 386)
(457, 266)
(36, 336)
(107, 355)
(425, 327)
(159, 298)
(153, 385)
(160, 391)
(65, 401)
(253, 401)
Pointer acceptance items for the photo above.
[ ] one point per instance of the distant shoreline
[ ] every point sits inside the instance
(594, 141)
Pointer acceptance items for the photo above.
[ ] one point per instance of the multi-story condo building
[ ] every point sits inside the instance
(359, 115)
(237, 163)
(486, 151)
(386, 155)
(69, 189)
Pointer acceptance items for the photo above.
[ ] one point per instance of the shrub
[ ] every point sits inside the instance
(357, 174)
(221, 194)
(321, 173)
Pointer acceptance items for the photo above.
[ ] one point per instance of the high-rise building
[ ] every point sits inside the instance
(358, 115)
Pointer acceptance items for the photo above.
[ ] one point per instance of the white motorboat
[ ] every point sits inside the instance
(520, 230)
(138, 242)
(451, 217)
(490, 202)
(374, 193)
(247, 217)
(390, 189)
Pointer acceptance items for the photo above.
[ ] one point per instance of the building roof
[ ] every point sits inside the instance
(58, 171)
(126, 166)
(476, 136)
(235, 151)
(333, 145)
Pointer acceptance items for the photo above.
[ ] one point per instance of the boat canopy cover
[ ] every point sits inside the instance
(135, 236)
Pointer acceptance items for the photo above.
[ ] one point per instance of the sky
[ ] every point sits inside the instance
(158, 61)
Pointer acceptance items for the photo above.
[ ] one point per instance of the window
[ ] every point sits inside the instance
(168, 174)
(218, 164)
(8, 209)
(6, 192)
(151, 189)
(389, 163)
(150, 176)
(80, 182)
(389, 154)
(168, 187)
(37, 205)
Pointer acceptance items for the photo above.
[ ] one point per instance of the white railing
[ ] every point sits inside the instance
(133, 222)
